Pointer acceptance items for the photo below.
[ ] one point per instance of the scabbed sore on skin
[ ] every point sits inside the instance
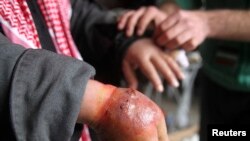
(128, 112)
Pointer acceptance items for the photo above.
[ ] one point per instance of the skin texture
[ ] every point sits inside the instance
(129, 116)
(181, 30)
(174, 29)
(119, 114)
(188, 29)
(143, 54)
(226, 24)
(95, 96)
(141, 19)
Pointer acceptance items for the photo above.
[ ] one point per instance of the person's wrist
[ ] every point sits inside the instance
(95, 97)
(206, 19)
(202, 18)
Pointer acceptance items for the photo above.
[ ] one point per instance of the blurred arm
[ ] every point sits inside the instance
(228, 24)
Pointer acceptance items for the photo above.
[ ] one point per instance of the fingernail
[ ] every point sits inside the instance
(160, 88)
(176, 83)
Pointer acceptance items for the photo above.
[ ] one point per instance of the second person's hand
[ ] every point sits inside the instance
(186, 29)
(139, 20)
(153, 63)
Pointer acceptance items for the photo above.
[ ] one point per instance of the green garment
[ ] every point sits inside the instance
(189, 4)
(225, 62)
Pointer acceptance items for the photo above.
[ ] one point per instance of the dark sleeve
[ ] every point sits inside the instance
(9, 55)
(43, 90)
(95, 33)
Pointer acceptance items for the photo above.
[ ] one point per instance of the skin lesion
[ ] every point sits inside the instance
(127, 111)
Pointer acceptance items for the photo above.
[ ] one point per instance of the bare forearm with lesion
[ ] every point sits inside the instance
(227, 24)
(95, 97)
(118, 114)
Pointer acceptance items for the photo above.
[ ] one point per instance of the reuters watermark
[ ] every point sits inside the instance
(230, 133)
(218, 132)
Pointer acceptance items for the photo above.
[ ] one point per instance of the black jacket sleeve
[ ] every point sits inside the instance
(95, 33)
(40, 93)
(8, 57)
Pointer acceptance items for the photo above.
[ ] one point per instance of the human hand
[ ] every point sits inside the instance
(186, 29)
(119, 114)
(140, 19)
(131, 116)
(145, 55)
